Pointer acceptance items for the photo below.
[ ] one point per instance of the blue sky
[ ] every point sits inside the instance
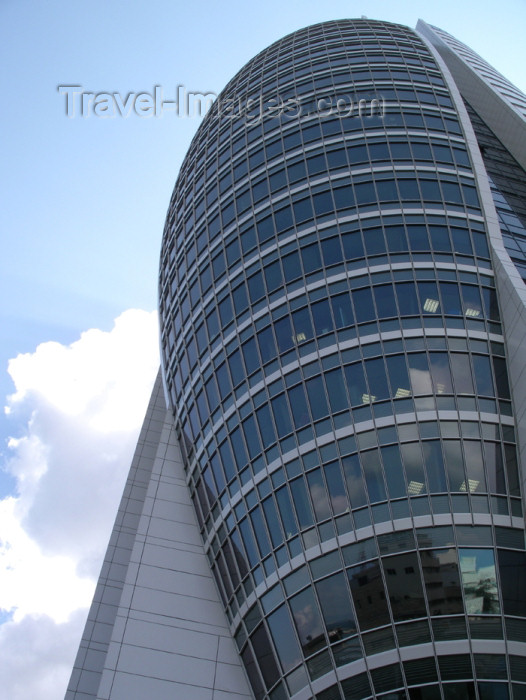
(84, 201)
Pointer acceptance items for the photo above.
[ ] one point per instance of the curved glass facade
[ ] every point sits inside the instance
(334, 358)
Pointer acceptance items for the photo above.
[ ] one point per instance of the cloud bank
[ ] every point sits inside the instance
(77, 411)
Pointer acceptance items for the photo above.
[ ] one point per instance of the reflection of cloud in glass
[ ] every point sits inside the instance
(320, 502)
(307, 620)
(479, 581)
(420, 381)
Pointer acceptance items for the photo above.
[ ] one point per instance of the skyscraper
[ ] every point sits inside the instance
(342, 314)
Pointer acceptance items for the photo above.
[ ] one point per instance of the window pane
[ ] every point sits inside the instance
(414, 468)
(372, 469)
(285, 641)
(479, 581)
(363, 305)
(368, 595)
(308, 621)
(394, 473)
(442, 581)
(301, 502)
(337, 494)
(402, 575)
(354, 481)
(318, 494)
(336, 390)
(336, 607)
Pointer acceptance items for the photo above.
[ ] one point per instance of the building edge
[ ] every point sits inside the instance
(156, 626)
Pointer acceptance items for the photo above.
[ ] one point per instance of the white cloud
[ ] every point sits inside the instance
(37, 656)
(80, 408)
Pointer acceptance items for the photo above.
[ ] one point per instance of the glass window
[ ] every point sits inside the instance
(476, 480)
(494, 467)
(479, 581)
(356, 385)
(317, 400)
(344, 197)
(271, 518)
(286, 512)
(336, 607)
(337, 495)
(429, 299)
(239, 451)
(299, 407)
(368, 594)
(321, 314)
(385, 300)
(363, 305)
(396, 239)
(273, 276)
(418, 238)
(281, 415)
(261, 533)
(365, 193)
(323, 203)
(291, 266)
(354, 481)
(302, 210)
(442, 581)
(440, 373)
(252, 672)
(284, 335)
(394, 473)
(512, 569)
(318, 495)
(454, 465)
(308, 621)
(461, 370)
(374, 241)
(302, 503)
(311, 259)
(404, 586)
(342, 310)
(331, 251)
(511, 470)
(377, 379)
(398, 377)
(302, 325)
(266, 426)
(372, 469)
(419, 373)
(336, 390)
(450, 298)
(263, 653)
(414, 468)
(482, 372)
(248, 541)
(472, 304)
(408, 189)
(285, 641)
(251, 437)
(267, 346)
(255, 287)
(501, 378)
(407, 299)
(353, 245)
(436, 476)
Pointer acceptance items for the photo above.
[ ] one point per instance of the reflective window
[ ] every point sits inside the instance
(285, 641)
(308, 621)
(404, 586)
(368, 595)
(479, 580)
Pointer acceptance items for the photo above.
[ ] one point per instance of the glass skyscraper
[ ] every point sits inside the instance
(342, 314)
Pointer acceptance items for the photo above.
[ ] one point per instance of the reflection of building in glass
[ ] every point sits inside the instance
(341, 330)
